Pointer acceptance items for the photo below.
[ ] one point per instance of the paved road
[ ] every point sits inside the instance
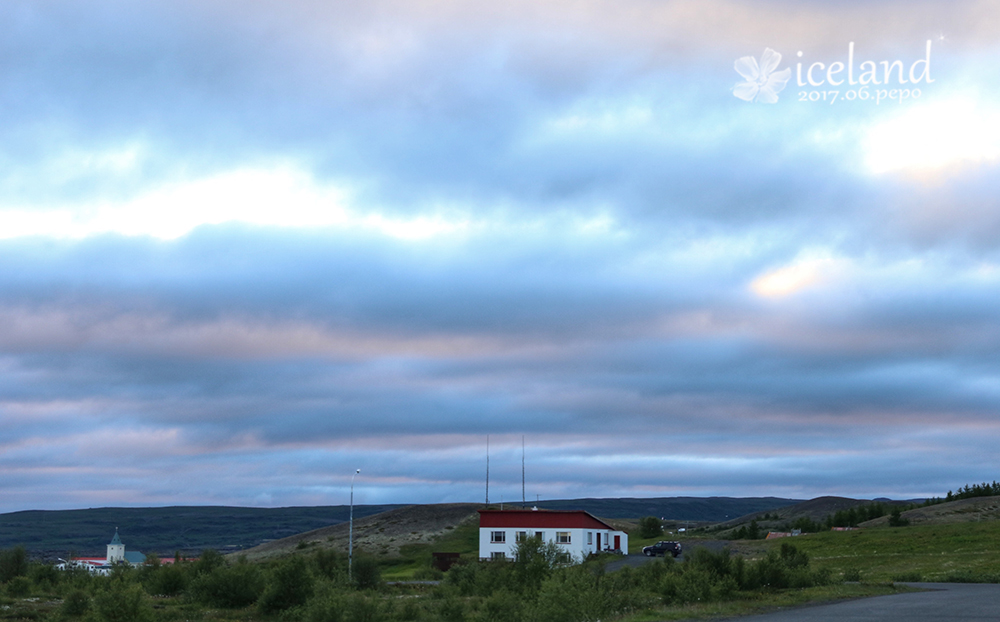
(962, 602)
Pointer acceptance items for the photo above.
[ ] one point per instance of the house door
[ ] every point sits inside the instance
(618, 542)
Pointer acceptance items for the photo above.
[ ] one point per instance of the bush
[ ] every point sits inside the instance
(121, 601)
(650, 527)
(852, 574)
(533, 562)
(229, 586)
(502, 606)
(451, 609)
(19, 587)
(75, 604)
(366, 573)
(13, 563)
(209, 560)
(480, 578)
(167, 581)
(44, 576)
(896, 519)
(290, 585)
(330, 564)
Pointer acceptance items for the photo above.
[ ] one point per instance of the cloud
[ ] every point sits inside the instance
(277, 244)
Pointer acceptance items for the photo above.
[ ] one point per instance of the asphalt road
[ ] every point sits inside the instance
(961, 602)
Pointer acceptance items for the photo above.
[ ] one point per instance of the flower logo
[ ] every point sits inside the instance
(762, 83)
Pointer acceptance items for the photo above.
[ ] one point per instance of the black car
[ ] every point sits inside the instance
(662, 547)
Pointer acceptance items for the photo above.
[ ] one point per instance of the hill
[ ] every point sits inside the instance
(971, 510)
(694, 509)
(814, 509)
(55, 533)
(382, 534)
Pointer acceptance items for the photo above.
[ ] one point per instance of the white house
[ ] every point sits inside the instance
(577, 532)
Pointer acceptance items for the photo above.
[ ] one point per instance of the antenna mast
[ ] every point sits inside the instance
(487, 470)
(522, 471)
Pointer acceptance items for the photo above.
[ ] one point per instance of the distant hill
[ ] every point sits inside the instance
(52, 533)
(191, 529)
(695, 509)
(814, 509)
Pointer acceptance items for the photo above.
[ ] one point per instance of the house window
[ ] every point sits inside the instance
(590, 537)
(562, 537)
(498, 537)
(520, 536)
(498, 556)
(605, 539)
(540, 535)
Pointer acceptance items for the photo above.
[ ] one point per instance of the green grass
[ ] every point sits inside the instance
(763, 603)
(414, 558)
(930, 552)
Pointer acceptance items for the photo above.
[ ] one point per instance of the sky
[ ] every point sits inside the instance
(668, 248)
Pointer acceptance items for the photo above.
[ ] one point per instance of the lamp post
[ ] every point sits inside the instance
(350, 531)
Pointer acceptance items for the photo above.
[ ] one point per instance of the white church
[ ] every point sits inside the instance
(117, 555)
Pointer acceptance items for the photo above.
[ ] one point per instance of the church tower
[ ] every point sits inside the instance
(116, 550)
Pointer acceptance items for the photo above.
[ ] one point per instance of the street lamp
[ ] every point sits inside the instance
(350, 532)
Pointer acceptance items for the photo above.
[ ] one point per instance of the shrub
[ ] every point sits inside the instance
(19, 587)
(330, 564)
(290, 585)
(481, 578)
(502, 606)
(75, 604)
(167, 581)
(326, 608)
(121, 601)
(44, 576)
(650, 527)
(229, 586)
(364, 608)
(533, 562)
(13, 563)
(209, 560)
(451, 609)
(896, 519)
(852, 574)
(366, 573)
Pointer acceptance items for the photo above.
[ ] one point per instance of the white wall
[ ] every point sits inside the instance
(578, 548)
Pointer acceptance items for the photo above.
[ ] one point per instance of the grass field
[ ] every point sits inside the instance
(764, 603)
(964, 551)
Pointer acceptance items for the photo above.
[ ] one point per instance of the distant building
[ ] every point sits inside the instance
(116, 555)
(577, 532)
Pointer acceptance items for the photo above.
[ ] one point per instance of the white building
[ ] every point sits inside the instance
(102, 566)
(576, 532)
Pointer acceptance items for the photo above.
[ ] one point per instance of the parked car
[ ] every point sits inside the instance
(663, 547)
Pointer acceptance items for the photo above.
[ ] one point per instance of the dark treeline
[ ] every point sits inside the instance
(851, 517)
(968, 492)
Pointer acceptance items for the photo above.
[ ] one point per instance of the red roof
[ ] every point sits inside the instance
(535, 519)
